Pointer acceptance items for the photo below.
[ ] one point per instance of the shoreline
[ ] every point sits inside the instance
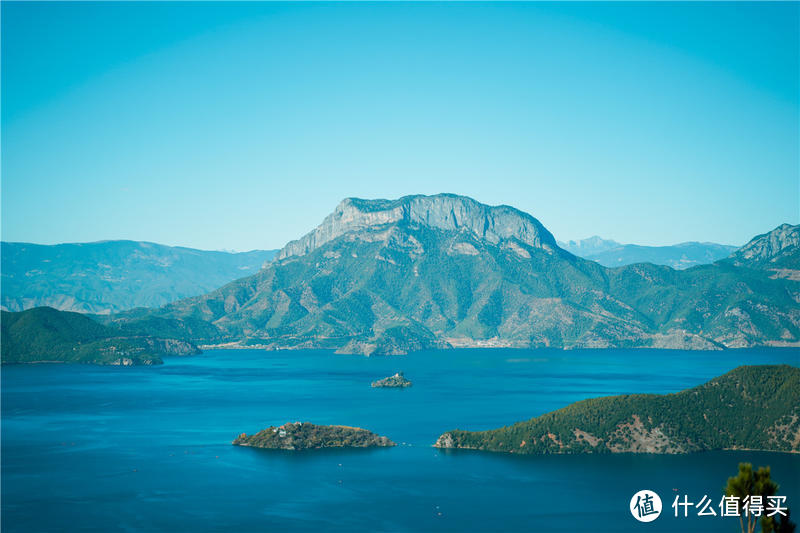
(479, 345)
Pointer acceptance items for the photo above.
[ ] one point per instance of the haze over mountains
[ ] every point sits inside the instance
(380, 276)
(679, 256)
(111, 276)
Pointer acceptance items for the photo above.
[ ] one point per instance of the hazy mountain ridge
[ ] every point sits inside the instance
(377, 278)
(111, 276)
(589, 246)
(678, 256)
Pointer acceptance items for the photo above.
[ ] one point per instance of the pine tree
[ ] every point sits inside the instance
(749, 483)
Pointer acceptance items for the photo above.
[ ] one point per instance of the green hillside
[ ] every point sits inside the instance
(44, 334)
(751, 407)
(434, 271)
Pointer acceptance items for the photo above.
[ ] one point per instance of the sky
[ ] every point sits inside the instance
(240, 126)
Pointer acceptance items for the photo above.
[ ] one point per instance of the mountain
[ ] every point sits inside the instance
(589, 246)
(111, 276)
(446, 212)
(44, 334)
(679, 256)
(421, 272)
(775, 251)
(751, 407)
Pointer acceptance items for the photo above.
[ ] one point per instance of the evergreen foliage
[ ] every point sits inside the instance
(751, 407)
(301, 436)
(43, 334)
(748, 483)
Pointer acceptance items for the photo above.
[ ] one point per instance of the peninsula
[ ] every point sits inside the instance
(750, 407)
(46, 335)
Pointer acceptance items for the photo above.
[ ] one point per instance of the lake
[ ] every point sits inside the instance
(87, 448)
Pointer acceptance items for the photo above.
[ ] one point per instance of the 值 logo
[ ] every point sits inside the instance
(645, 506)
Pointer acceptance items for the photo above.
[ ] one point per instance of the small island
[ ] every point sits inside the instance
(304, 436)
(749, 408)
(396, 381)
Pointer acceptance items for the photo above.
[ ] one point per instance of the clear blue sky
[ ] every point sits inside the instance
(242, 125)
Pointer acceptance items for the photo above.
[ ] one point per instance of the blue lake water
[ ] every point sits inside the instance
(108, 449)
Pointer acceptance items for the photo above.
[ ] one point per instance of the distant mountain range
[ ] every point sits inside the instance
(111, 276)
(392, 276)
(679, 256)
(751, 407)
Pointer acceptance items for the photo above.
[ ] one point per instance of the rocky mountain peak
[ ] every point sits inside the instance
(769, 247)
(590, 245)
(447, 212)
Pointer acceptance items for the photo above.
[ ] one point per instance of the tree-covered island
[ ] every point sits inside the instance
(304, 435)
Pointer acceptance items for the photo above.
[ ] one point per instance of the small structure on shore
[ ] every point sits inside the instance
(397, 381)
